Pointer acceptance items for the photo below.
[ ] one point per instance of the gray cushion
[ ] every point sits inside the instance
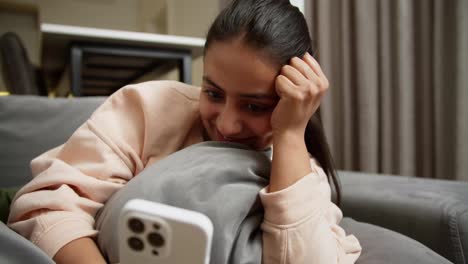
(31, 125)
(221, 180)
(381, 245)
(434, 212)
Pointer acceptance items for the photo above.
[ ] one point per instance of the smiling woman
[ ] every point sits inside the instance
(238, 98)
(259, 44)
(261, 88)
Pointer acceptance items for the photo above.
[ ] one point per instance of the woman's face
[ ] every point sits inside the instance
(238, 94)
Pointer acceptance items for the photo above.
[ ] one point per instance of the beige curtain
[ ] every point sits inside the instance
(398, 101)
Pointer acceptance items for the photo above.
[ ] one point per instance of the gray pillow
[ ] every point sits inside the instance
(221, 180)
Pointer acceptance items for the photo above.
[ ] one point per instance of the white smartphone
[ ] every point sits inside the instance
(152, 232)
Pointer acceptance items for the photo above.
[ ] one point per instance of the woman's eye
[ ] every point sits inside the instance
(213, 95)
(257, 108)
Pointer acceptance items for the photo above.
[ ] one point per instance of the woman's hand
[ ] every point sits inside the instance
(300, 86)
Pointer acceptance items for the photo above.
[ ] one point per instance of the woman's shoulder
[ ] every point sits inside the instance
(163, 88)
(139, 101)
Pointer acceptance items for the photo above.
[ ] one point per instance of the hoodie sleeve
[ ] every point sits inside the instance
(72, 182)
(301, 224)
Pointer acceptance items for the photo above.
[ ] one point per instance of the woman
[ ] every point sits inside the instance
(261, 87)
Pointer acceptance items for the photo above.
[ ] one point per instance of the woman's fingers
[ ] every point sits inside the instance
(293, 75)
(300, 86)
(285, 87)
(305, 71)
(302, 78)
(314, 65)
(304, 68)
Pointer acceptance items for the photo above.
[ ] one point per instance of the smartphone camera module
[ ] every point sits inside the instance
(136, 244)
(156, 239)
(136, 225)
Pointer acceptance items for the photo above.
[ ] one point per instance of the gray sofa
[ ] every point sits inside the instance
(395, 215)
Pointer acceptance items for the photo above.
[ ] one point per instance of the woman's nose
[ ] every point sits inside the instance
(229, 123)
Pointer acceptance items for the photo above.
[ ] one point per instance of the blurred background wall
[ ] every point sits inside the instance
(175, 17)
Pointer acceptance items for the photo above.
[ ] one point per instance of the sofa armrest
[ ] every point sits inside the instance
(433, 212)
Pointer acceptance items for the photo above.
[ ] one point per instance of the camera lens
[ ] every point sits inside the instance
(136, 244)
(136, 225)
(156, 239)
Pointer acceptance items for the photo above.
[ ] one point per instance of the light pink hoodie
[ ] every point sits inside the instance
(137, 126)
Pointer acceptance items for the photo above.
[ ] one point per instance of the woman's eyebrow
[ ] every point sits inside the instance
(210, 82)
(246, 95)
(259, 96)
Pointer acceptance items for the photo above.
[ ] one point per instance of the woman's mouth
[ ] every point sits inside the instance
(221, 137)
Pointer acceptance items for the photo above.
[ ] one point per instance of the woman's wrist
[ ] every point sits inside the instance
(73, 252)
(288, 137)
(290, 160)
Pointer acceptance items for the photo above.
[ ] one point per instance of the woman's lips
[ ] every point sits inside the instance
(220, 137)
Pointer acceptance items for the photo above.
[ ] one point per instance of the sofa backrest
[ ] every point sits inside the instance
(31, 125)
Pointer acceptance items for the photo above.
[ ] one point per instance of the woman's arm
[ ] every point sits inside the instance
(301, 222)
(290, 157)
(73, 253)
(73, 181)
(300, 86)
